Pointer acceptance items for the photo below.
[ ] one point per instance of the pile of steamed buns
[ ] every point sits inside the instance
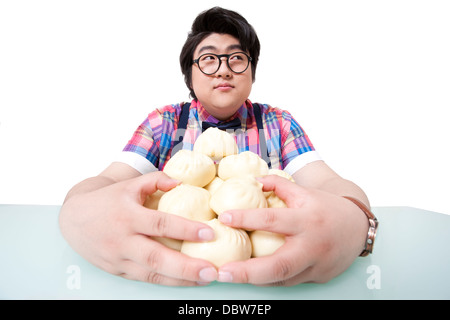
(216, 178)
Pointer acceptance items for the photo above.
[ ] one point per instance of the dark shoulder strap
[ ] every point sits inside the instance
(181, 129)
(258, 116)
(262, 137)
(184, 116)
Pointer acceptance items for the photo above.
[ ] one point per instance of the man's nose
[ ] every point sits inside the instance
(224, 71)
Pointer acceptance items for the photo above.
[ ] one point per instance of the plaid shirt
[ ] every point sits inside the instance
(286, 140)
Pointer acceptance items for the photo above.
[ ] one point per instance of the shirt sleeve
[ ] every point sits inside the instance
(150, 144)
(297, 149)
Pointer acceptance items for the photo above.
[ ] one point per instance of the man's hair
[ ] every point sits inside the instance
(222, 21)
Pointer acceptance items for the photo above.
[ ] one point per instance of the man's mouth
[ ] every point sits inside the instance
(224, 86)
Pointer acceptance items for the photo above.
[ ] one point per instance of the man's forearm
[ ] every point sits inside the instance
(88, 185)
(342, 187)
(115, 172)
(319, 175)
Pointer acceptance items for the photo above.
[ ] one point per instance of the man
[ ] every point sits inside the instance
(103, 218)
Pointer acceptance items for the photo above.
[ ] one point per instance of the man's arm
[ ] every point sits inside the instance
(319, 175)
(115, 172)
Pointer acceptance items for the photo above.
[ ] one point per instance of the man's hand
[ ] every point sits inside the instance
(324, 234)
(111, 228)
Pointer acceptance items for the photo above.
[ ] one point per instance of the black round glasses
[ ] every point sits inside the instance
(209, 63)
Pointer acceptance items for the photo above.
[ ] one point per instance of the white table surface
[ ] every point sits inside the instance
(411, 261)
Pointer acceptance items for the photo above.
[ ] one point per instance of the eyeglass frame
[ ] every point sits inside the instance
(220, 56)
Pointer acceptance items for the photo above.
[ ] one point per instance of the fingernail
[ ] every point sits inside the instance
(225, 277)
(225, 218)
(206, 234)
(208, 274)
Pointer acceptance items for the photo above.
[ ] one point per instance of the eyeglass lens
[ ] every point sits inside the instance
(210, 63)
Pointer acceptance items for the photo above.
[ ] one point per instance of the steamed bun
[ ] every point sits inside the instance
(174, 244)
(238, 193)
(191, 167)
(216, 144)
(273, 201)
(280, 173)
(244, 163)
(214, 185)
(230, 244)
(216, 178)
(151, 202)
(187, 201)
(265, 243)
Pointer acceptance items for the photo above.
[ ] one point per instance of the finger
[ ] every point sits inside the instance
(303, 277)
(292, 194)
(161, 224)
(133, 271)
(280, 220)
(155, 258)
(276, 268)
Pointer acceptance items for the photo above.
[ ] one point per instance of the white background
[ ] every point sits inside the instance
(369, 81)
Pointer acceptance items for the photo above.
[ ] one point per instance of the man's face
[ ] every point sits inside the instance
(223, 92)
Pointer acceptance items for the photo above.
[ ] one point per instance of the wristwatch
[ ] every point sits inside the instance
(373, 226)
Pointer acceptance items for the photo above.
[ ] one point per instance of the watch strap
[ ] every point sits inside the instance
(373, 226)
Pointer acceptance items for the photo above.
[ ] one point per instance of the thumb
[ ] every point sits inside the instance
(151, 182)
